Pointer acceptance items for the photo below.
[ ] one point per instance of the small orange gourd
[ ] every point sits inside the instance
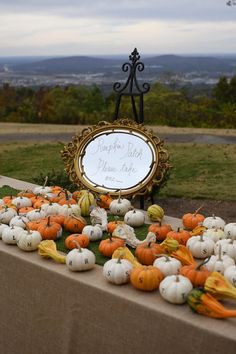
(192, 220)
(74, 224)
(180, 235)
(160, 230)
(82, 239)
(146, 278)
(197, 274)
(147, 251)
(108, 246)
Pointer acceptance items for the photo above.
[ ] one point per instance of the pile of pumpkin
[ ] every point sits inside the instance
(165, 260)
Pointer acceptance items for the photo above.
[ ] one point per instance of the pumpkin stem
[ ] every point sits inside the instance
(220, 253)
(77, 245)
(119, 196)
(48, 223)
(177, 279)
(202, 263)
(196, 211)
(167, 258)
(45, 182)
(119, 259)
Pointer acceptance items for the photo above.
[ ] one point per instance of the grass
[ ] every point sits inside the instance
(199, 170)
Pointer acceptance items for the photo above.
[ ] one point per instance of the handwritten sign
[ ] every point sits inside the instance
(117, 160)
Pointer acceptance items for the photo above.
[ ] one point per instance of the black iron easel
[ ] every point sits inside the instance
(132, 89)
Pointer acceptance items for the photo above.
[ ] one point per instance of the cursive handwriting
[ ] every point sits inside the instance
(133, 152)
(108, 148)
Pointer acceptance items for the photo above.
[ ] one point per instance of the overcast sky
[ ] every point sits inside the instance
(80, 27)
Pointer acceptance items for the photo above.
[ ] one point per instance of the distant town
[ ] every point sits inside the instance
(167, 69)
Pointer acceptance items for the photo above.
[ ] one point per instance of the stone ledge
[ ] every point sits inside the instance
(16, 183)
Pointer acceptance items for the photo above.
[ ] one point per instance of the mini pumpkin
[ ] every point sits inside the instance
(213, 222)
(94, 233)
(200, 246)
(108, 246)
(21, 202)
(10, 234)
(228, 247)
(160, 230)
(104, 200)
(112, 225)
(6, 214)
(147, 251)
(117, 271)
(82, 239)
(192, 220)
(155, 213)
(175, 289)
(80, 259)
(49, 230)
(20, 221)
(146, 278)
(215, 234)
(29, 240)
(180, 235)
(167, 265)
(230, 275)
(197, 274)
(230, 230)
(134, 218)
(74, 224)
(120, 206)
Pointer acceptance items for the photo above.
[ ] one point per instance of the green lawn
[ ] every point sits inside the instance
(199, 170)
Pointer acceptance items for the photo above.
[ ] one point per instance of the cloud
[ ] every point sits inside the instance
(195, 10)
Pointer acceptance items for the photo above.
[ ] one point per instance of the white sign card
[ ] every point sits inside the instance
(117, 160)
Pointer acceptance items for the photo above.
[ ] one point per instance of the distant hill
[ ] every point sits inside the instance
(161, 63)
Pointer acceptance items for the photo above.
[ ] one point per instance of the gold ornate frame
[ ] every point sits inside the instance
(73, 154)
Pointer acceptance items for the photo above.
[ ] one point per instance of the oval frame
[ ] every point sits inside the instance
(74, 153)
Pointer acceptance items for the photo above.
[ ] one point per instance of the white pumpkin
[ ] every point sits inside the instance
(2, 202)
(214, 222)
(28, 240)
(2, 227)
(230, 230)
(200, 246)
(50, 208)
(80, 259)
(6, 214)
(93, 232)
(117, 271)
(120, 206)
(167, 265)
(68, 210)
(230, 275)
(134, 218)
(35, 214)
(175, 288)
(215, 234)
(219, 263)
(19, 220)
(228, 247)
(10, 234)
(42, 190)
(21, 202)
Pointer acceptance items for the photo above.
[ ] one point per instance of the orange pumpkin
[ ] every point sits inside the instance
(112, 225)
(180, 235)
(146, 278)
(25, 210)
(196, 274)
(108, 246)
(8, 198)
(146, 252)
(49, 230)
(74, 224)
(58, 218)
(27, 193)
(190, 221)
(160, 230)
(40, 202)
(82, 239)
(104, 200)
(33, 225)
